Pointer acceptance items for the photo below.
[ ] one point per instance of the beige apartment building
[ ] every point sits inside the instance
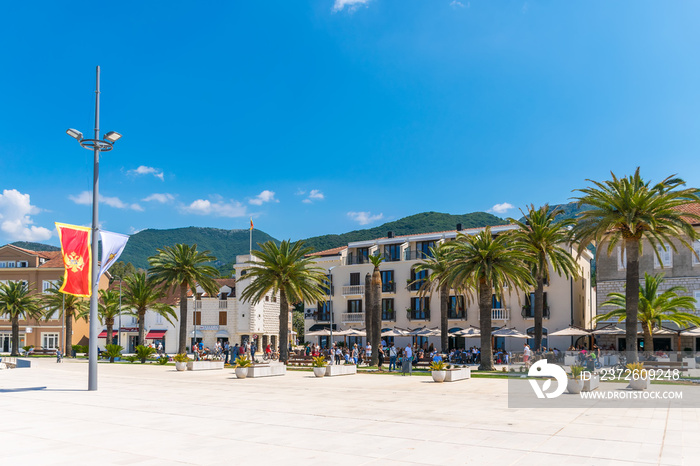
(568, 301)
(40, 270)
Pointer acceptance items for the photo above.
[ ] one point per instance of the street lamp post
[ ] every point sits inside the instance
(330, 303)
(97, 145)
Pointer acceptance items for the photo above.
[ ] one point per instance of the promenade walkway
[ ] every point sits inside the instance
(150, 415)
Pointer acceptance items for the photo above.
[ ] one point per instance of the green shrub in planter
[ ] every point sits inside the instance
(132, 358)
(319, 362)
(243, 361)
(182, 357)
(438, 366)
(113, 351)
(143, 352)
(163, 360)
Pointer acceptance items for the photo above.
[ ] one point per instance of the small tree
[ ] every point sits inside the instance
(16, 302)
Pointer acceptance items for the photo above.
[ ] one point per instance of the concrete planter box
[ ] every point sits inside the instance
(689, 363)
(266, 370)
(454, 375)
(592, 383)
(345, 369)
(204, 365)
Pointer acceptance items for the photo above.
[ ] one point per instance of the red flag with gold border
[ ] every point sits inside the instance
(77, 259)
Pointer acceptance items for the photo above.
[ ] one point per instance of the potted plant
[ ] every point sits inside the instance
(242, 365)
(639, 376)
(319, 365)
(113, 351)
(181, 361)
(575, 382)
(438, 370)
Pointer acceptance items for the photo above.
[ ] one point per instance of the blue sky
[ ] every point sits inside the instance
(325, 116)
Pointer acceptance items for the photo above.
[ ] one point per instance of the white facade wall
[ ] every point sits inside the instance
(570, 300)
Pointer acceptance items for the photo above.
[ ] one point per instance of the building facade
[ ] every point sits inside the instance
(568, 300)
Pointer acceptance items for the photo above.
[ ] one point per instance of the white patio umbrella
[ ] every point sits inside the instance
(570, 331)
(471, 332)
(425, 332)
(355, 332)
(396, 332)
(610, 329)
(691, 332)
(509, 333)
(319, 333)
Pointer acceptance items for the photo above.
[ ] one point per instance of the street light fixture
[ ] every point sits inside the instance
(97, 145)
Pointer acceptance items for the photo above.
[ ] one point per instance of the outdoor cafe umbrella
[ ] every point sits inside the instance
(471, 332)
(509, 332)
(609, 329)
(425, 332)
(395, 332)
(691, 332)
(570, 331)
(324, 332)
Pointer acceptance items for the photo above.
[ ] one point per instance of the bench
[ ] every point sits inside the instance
(666, 365)
(42, 352)
(300, 360)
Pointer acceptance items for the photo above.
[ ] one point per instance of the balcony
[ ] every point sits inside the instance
(415, 255)
(389, 316)
(419, 315)
(356, 260)
(500, 314)
(452, 314)
(354, 290)
(352, 317)
(529, 313)
(389, 287)
(223, 304)
(388, 257)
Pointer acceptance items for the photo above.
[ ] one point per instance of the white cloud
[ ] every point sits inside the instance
(218, 208)
(163, 198)
(456, 4)
(300, 192)
(364, 218)
(85, 198)
(501, 208)
(15, 220)
(144, 170)
(265, 196)
(352, 5)
(314, 195)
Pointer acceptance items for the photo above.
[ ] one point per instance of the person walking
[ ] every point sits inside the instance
(526, 355)
(407, 362)
(227, 349)
(381, 357)
(392, 357)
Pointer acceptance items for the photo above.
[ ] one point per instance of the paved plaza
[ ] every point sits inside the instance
(152, 414)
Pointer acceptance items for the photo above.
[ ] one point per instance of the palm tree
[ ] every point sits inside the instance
(108, 310)
(16, 302)
(140, 295)
(288, 270)
(654, 308)
(483, 264)
(69, 306)
(183, 267)
(374, 308)
(546, 239)
(437, 266)
(626, 211)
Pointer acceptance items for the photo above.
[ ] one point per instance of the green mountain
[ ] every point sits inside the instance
(425, 222)
(223, 244)
(35, 246)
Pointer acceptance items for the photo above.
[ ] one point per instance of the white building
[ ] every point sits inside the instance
(568, 301)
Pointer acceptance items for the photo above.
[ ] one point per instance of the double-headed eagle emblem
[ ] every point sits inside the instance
(74, 262)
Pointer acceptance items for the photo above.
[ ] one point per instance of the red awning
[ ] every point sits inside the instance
(155, 334)
(104, 334)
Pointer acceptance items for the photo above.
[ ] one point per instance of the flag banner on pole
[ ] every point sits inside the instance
(77, 259)
(112, 246)
(251, 223)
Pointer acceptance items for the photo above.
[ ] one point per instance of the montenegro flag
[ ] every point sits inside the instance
(77, 259)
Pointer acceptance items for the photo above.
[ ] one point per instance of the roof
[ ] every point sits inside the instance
(53, 259)
(693, 209)
(328, 252)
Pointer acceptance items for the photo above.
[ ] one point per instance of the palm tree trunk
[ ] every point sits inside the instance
(648, 338)
(444, 304)
(376, 289)
(142, 327)
(485, 326)
(68, 316)
(631, 298)
(15, 336)
(284, 327)
(110, 329)
(369, 322)
(182, 344)
(539, 311)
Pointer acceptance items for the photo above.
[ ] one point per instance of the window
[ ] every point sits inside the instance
(423, 249)
(528, 311)
(531, 340)
(159, 319)
(3, 264)
(388, 285)
(621, 258)
(327, 286)
(495, 302)
(696, 295)
(420, 309)
(267, 298)
(274, 298)
(362, 255)
(666, 256)
(696, 249)
(49, 340)
(456, 307)
(354, 306)
(354, 278)
(388, 312)
(392, 252)
(417, 279)
(22, 264)
(323, 311)
(47, 285)
(223, 318)
(10, 264)
(197, 317)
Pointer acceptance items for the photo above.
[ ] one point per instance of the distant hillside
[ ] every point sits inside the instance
(425, 222)
(223, 244)
(35, 246)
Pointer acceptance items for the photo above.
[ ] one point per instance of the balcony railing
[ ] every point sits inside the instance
(355, 260)
(529, 313)
(389, 287)
(323, 317)
(391, 257)
(352, 317)
(415, 285)
(198, 304)
(419, 315)
(223, 304)
(452, 314)
(353, 290)
(410, 255)
(500, 314)
(389, 316)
